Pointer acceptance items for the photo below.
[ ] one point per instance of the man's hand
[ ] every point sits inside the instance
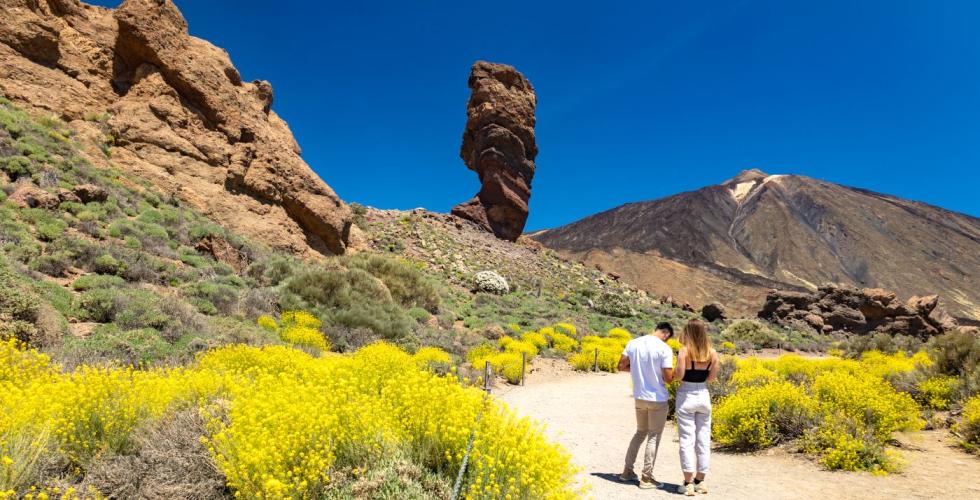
(624, 363)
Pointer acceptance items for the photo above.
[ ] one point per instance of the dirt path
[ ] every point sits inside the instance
(592, 416)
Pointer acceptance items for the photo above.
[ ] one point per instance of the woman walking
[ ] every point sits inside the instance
(697, 364)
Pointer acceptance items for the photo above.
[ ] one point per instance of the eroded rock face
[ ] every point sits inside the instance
(499, 145)
(861, 311)
(178, 111)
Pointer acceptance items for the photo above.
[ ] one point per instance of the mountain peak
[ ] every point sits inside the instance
(749, 175)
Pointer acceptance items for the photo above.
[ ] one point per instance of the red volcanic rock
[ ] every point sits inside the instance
(864, 311)
(499, 145)
(180, 113)
(27, 195)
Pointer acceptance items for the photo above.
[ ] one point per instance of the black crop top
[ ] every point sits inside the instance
(697, 375)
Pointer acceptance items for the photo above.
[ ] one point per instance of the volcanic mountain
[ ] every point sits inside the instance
(734, 241)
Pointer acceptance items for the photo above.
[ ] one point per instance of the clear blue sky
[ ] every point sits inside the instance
(636, 100)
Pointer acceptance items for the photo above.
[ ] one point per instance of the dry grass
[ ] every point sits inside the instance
(169, 462)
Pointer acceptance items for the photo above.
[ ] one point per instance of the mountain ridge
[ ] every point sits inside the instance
(796, 231)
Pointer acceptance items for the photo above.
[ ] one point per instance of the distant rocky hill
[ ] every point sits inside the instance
(734, 241)
(172, 109)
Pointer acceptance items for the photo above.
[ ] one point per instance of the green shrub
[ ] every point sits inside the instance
(753, 334)
(51, 229)
(106, 264)
(407, 285)
(221, 297)
(351, 298)
(97, 305)
(138, 346)
(140, 309)
(419, 315)
(612, 304)
(93, 281)
(53, 264)
(16, 166)
(957, 354)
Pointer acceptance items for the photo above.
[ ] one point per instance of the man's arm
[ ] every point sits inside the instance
(668, 375)
(624, 363)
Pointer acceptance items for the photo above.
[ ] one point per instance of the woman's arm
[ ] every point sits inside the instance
(715, 365)
(681, 364)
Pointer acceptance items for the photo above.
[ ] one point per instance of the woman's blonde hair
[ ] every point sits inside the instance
(695, 339)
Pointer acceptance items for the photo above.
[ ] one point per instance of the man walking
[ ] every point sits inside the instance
(650, 362)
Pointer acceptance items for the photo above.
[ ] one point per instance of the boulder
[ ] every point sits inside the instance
(922, 305)
(499, 145)
(181, 115)
(713, 311)
(815, 321)
(833, 308)
(879, 295)
(65, 195)
(222, 251)
(28, 195)
(90, 192)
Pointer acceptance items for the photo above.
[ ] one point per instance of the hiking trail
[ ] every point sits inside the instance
(591, 415)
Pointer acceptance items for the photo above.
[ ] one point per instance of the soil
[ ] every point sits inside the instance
(591, 415)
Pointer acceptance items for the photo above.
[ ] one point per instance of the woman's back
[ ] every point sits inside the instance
(691, 371)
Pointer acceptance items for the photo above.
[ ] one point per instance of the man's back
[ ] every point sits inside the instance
(648, 357)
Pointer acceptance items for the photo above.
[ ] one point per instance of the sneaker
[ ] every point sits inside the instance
(701, 488)
(686, 489)
(628, 476)
(649, 483)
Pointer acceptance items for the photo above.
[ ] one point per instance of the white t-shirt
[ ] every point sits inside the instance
(648, 357)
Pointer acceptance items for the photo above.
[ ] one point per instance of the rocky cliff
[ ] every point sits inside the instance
(499, 145)
(734, 241)
(172, 109)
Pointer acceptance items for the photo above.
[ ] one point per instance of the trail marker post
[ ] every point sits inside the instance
(523, 366)
(487, 386)
(595, 363)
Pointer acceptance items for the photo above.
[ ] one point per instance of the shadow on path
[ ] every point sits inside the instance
(614, 478)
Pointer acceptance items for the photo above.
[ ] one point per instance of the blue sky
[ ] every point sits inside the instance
(636, 100)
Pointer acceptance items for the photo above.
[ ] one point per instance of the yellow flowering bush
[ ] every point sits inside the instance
(969, 426)
(621, 334)
(298, 328)
(537, 339)
(432, 357)
(674, 345)
(937, 392)
(567, 329)
(602, 351)
(506, 363)
(870, 401)
(728, 347)
(279, 421)
(844, 409)
(510, 344)
(563, 344)
(760, 415)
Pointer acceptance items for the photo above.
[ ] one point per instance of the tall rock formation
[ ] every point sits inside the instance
(174, 110)
(498, 144)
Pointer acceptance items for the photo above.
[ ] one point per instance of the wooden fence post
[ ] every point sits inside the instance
(523, 366)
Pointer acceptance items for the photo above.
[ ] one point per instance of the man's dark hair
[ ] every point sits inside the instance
(663, 325)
